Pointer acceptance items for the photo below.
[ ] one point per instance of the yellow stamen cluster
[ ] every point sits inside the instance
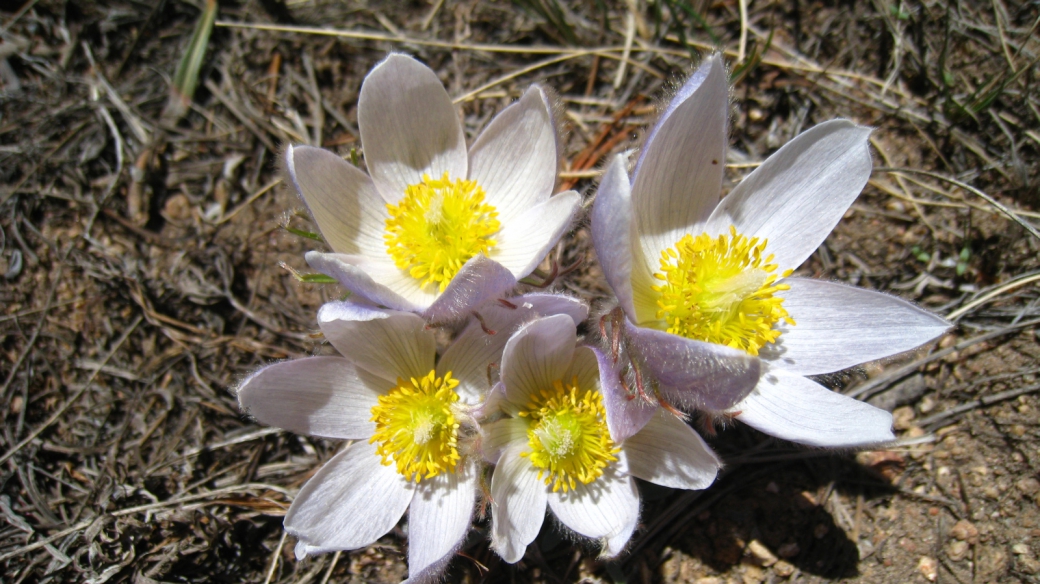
(416, 426)
(568, 436)
(438, 226)
(721, 290)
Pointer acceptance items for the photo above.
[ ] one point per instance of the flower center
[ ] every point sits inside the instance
(416, 426)
(568, 436)
(438, 226)
(721, 290)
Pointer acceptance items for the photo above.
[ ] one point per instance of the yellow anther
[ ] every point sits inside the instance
(721, 290)
(416, 426)
(438, 226)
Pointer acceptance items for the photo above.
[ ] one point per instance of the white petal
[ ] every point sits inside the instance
(668, 452)
(377, 281)
(469, 357)
(439, 517)
(408, 126)
(500, 435)
(431, 574)
(343, 200)
(524, 243)
(318, 396)
(519, 505)
(350, 503)
(584, 369)
(840, 326)
(678, 178)
(799, 193)
(514, 158)
(607, 507)
(800, 410)
(386, 343)
(536, 357)
(612, 235)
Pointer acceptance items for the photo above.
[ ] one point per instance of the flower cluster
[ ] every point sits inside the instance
(520, 412)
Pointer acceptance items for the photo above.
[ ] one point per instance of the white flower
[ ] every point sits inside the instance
(412, 418)
(556, 445)
(697, 276)
(435, 229)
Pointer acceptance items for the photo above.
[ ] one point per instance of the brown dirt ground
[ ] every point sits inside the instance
(141, 259)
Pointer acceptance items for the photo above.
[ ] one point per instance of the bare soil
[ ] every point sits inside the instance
(142, 257)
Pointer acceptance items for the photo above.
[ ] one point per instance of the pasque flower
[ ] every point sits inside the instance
(413, 418)
(696, 275)
(555, 445)
(433, 228)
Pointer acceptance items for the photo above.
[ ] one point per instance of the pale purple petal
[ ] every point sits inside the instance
(343, 201)
(840, 326)
(694, 374)
(606, 508)
(799, 193)
(439, 517)
(514, 159)
(519, 505)
(668, 452)
(800, 410)
(626, 413)
(431, 574)
(317, 396)
(523, 243)
(408, 126)
(612, 233)
(535, 357)
(376, 282)
(502, 434)
(678, 178)
(475, 351)
(479, 281)
(350, 503)
(386, 343)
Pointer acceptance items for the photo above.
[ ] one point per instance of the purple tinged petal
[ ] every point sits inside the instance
(479, 281)
(694, 374)
(678, 179)
(612, 232)
(626, 414)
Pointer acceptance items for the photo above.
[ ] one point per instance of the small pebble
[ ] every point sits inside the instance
(760, 554)
(957, 550)
(964, 530)
(1028, 486)
(783, 569)
(928, 567)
